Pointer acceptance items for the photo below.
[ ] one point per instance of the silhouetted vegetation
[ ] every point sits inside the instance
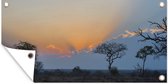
(143, 53)
(76, 70)
(38, 66)
(114, 71)
(61, 75)
(112, 51)
(138, 70)
(25, 46)
(159, 39)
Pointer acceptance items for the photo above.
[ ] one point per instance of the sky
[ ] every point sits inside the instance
(66, 31)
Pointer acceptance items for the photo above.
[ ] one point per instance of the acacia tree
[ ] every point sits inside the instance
(112, 51)
(143, 53)
(28, 46)
(158, 39)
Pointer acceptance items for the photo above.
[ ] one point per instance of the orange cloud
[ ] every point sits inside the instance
(68, 51)
(57, 50)
(51, 46)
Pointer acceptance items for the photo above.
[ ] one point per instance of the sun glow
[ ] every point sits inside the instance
(62, 26)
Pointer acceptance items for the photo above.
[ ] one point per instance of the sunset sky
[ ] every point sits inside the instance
(65, 31)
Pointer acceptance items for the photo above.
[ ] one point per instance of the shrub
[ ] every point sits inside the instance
(114, 71)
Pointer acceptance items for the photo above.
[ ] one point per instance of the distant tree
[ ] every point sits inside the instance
(112, 51)
(143, 53)
(76, 69)
(28, 46)
(158, 39)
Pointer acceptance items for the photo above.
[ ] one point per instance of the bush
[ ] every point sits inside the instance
(114, 71)
(76, 69)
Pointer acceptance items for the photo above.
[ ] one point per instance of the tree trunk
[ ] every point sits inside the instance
(143, 66)
(109, 67)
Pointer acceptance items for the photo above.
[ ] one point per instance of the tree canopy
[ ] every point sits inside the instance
(112, 51)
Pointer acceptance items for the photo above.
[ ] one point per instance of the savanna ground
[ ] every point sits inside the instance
(98, 76)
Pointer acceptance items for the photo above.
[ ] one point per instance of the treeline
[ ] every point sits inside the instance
(80, 75)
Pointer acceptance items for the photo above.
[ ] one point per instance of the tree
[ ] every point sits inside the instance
(143, 53)
(38, 67)
(138, 70)
(28, 46)
(112, 51)
(76, 70)
(158, 39)
(25, 46)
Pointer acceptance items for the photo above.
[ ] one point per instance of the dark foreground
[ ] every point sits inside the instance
(98, 76)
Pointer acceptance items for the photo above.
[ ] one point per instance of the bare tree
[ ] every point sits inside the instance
(143, 53)
(38, 67)
(158, 39)
(112, 51)
(138, 69)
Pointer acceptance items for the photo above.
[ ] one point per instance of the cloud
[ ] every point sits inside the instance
(129, 34)
(154, 30)
(69, 51)
(57, 50)
(51, 46)
(88, 49)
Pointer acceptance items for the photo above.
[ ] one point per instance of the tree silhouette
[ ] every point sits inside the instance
(38, 67)
(158, 39)
(28, 46)
(138, 69)
(143, 53)
(24, 46)
(76, 70)
(112, 51)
